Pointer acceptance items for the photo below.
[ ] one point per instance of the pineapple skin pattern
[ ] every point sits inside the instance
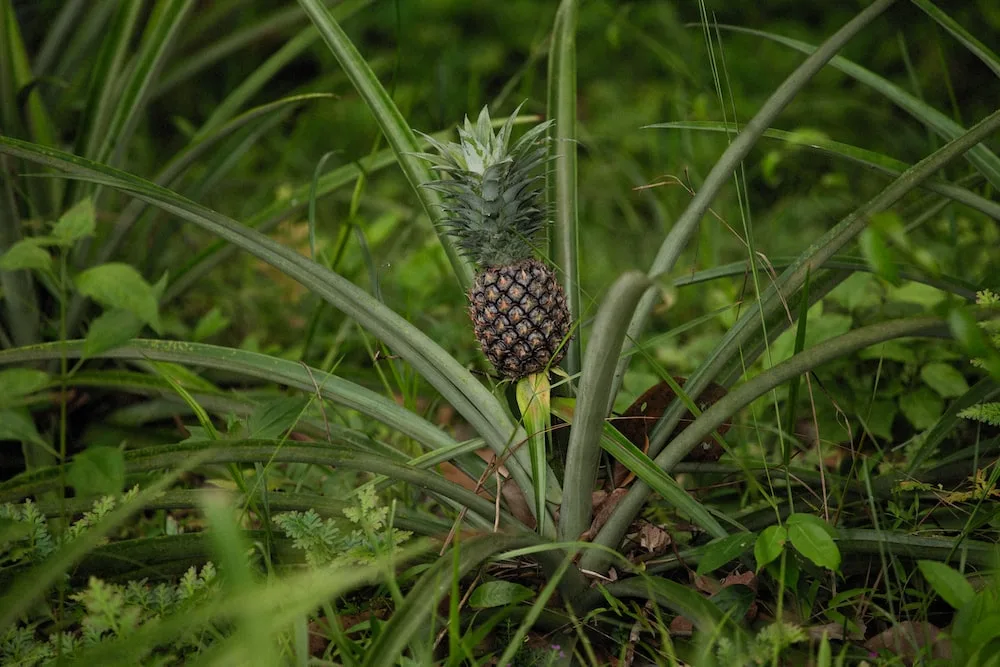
(492, 204)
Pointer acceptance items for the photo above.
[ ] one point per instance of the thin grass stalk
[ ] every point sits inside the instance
(720, 174)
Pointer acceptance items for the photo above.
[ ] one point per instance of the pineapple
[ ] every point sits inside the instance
(493, 208)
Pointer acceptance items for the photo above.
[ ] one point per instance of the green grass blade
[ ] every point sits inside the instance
(945, 283)
(974, 46)
(594, 398)
(672, 246)
(562, 177)
(981, 157)
(222, 46)
(28, 117)
(57, 35)
(264, 367)
(230, 546)
(161, 30)
(151, 459)
(106, 78)
(279, 600)
(864, 157)
(395, 128)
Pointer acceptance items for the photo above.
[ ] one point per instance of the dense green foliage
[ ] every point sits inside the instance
(229, 283)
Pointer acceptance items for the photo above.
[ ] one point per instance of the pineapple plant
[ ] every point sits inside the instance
(492, 202)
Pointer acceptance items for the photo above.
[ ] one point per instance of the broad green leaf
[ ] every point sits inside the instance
(97, 471)
(111, 329)
(117, 285)
(720, 551)
(18, 382)
(944, 379)
(499, 594)
(26, 254)
(921, 407)
(210, 324)
(18, 425)
(76, 223)
(876, 252)
(950, 584)
(770, 543)
(275, 418)
(811, 537)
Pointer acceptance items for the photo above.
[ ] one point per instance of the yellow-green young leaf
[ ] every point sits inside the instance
(944, 379)
(534, 401)
(720, 551)
(499, 594)
(97, 471)
(117, 285)
(111, 329)
(876, 252)
(769, 545)
(18, 382)
(76, 223)
(950, 584)
(812, 537)
(26, 254)
(210, 324)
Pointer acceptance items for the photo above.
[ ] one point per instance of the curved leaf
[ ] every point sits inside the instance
(595, 397)
(469, 397)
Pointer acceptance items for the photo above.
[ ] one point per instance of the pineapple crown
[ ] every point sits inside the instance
(491, 191)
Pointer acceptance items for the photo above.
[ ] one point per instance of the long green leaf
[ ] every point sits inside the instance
(867, 158)
(951, 284)
(395, 128)
(222, 46)
(469, 397)
(276, 451)
(975, 47)
(256, 365)
(562, 179)
(672, 246)
(584, 449)
(161, 30)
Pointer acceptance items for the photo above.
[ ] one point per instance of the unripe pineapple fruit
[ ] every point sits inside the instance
(492, 207)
